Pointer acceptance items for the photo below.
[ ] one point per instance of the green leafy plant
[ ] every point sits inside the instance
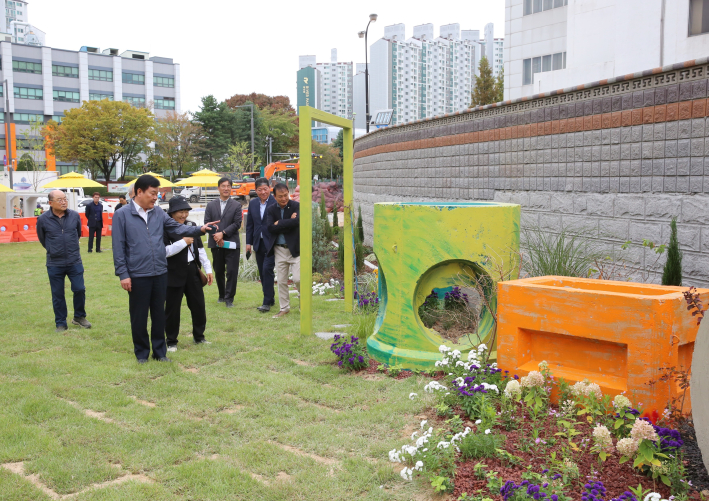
(569, 432)
(335, 218)
(567, 253)
(359, 231)
(395, 370)
(481, 445)
(672, 273)
(639, 492)
(507, 457)
(443, 410)
(441, 484)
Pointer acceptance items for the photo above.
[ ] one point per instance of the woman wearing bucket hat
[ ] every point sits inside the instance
(185, 257)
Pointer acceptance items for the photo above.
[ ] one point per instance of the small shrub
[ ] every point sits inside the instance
(351, 355)
(335, 219)
(322, 260)
(363, 325)
(672, 273)
(481, 445)
(360, 225)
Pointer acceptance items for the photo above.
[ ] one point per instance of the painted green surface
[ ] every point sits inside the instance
(306, 114)
(421, 247)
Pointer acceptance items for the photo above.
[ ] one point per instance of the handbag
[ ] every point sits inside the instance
(202, 276)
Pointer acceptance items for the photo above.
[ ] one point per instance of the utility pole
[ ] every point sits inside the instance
(8, 131)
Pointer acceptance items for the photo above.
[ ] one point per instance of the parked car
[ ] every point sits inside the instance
(197, 194)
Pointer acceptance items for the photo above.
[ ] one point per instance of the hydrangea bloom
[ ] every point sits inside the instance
(627, 447)
(643, 430)
(543, 365)
(533, 379)
(621, 402)
(586, 388)
(513, 389)
(602, 437)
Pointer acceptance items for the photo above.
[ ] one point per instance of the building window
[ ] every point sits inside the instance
(534, 6)
(2, 143)
(163, 82)
(2, 117)
(25, 67)
(138, 102)
(66, 96)
(532, 66)
(95, 96)
(132, 78)
(103, 75)
(58, 118)
(65, 71)
(27, 93)
(28, 118)
(698, 17)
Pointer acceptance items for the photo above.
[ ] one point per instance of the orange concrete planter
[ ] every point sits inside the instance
(616, 334)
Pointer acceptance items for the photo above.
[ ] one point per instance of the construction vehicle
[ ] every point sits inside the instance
(248, 187)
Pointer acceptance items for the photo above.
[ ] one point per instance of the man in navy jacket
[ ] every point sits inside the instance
(260, 240)
(94, 219)
(59, 230)
(283, 222)
(141, 264)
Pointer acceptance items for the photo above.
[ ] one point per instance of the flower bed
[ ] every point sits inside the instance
(498, 437)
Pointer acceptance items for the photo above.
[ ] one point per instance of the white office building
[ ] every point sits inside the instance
(424, 76)
(330, 85)
(555, 44)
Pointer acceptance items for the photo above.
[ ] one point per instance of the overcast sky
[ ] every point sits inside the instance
(227, 47)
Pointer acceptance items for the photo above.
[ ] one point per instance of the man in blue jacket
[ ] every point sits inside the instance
(141, 264)
(260, 240)
(94, 219)
(59, 230)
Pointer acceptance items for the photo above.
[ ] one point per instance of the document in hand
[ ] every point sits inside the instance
(230, 245)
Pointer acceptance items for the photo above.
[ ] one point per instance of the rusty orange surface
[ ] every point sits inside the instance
(616, 334)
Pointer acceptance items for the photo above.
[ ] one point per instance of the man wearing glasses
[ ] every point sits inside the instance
(260, 240)
(59, 230)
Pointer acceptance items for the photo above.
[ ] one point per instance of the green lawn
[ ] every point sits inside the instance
(262, 413)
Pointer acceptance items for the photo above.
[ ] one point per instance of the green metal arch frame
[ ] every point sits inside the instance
(307, 115)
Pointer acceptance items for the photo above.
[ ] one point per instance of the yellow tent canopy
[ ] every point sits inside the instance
(5, 189)
(205, 172)
(203, 181)
(73, 180)
(164, 183)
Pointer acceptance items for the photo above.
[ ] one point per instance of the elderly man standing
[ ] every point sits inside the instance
(228, 212)
(260, 240)
(140, 261)
(283, 222)
(59, 230)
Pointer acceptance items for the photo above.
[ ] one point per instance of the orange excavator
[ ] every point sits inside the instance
(248, 187)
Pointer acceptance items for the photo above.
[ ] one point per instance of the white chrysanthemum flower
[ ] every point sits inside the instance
(627, 447)
(459, 381)
(643, 430)
(478, 421)
(513, 389)
(455, 354)
(412, 396)
(443, 445)
(419, 465)
(394, 456)
(423, 423)
(653, 496)
(482, 348)
(487, 432)
(443, 348)
(413, 435)
(406, 473)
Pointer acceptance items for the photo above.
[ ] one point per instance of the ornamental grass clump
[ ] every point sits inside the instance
(351, 355)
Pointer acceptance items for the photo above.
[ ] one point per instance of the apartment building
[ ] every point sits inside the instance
(329, 86)
(556, 44)
(493, 48)
(15, 26)
(423, 76)
(44, 83)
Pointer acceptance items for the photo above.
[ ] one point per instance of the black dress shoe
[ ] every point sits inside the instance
(229, 303)
(221, 300)
(90, 251)
(264, 308)
(142, 360)
(98, 252)
(164, 359)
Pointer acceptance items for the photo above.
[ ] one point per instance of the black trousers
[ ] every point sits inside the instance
(147, 295)
(95, 231)
(226, 262)
(192, 290)
(266, 270)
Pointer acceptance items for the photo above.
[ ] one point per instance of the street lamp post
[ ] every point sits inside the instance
(252, 131)
(363, 34)
(8, 135)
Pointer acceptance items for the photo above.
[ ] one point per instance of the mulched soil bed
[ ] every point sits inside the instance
(615, 477)
(696, 471)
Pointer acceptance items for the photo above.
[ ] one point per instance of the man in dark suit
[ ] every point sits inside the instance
(227, 212)
(260, 240)
(94, 218)
(283, 222)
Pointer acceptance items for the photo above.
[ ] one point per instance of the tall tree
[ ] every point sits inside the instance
(177, 143)
(282, 128)
(240, 159)
(672, 273)
(280, 103)
(486, 88)
(339, 141)
(330, 165)
(218, 124)
(500, 86)
(101, 133)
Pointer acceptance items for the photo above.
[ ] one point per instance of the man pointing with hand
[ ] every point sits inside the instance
(140, 263)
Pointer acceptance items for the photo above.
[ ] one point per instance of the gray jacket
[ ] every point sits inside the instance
(229, 222)
(138, 249)
(60, 236)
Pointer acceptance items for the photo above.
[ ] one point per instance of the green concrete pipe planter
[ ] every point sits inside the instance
(422, 247)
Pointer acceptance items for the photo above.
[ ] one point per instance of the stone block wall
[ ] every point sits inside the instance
(616, 159)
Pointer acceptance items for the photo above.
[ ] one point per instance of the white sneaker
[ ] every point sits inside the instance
(172, 349)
